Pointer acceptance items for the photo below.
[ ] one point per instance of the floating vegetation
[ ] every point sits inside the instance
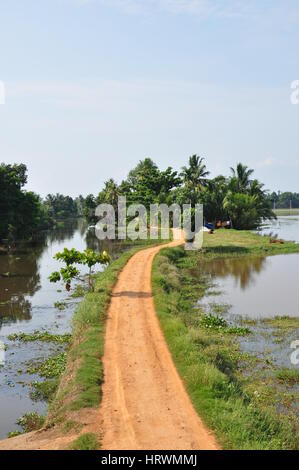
(218, 323)
(51, 368)
(60, 305)
(44, 336)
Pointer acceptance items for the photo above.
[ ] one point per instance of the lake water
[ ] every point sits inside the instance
(285, 227)
(255, 287)
(27, 304)
(258, 287)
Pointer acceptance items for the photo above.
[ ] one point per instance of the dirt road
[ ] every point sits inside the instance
(145, 405)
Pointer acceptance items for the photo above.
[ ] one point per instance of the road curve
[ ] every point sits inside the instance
(144, 404)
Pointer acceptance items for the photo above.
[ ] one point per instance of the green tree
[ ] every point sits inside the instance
(22, 212)
(212, 197)
(73, 257)
(195, 174)
(146, 184)
(90, 205)
(240, 181)
(60, 206)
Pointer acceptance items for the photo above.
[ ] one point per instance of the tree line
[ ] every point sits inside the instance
(284, 200)
(240, 198)
(23, 213)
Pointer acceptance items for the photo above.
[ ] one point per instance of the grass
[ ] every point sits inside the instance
(289, 376)
(231, 243)
(242, 413)
(282, 322)
(12, 434)
(44, 391)
(87, 441)
(283, 212)
(72, 425)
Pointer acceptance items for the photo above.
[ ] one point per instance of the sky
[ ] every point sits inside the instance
(94, 86)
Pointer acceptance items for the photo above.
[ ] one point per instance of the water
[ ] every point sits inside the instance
(262, 286)
(27, 304)
(285, 227)
(255, 287)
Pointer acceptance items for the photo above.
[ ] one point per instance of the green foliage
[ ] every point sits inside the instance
(239, 198)
(146, 184)
(283, 200)
(195, 174)
(216, 322)
(43, 336)
(51, 368)
(89, 207)
(247, 210)
(68, 274)
(12, 434)
(242, 209)
(88, 441)
(289, 376)
(22, 212)
(60, 207)
(70, 257)
(60, 305)
(44, 391)
(213, 321)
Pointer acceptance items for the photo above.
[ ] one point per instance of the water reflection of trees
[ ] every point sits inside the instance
(113, 247)
(242, 269)
(19, 279)
(19, 271)
(65, 230)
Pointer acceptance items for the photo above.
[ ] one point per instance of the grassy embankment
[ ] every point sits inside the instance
(286, 212)
(247, 402)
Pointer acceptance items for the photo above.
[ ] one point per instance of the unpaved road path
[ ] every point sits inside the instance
(144, 405)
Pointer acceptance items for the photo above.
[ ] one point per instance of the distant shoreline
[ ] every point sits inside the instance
(285, 212)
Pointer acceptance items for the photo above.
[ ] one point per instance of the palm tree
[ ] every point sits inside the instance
(241, 177)
(195, 175)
